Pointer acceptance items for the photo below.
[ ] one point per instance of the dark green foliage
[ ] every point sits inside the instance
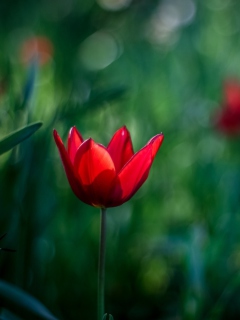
(22, 304)
(173, 251)
(14, 138)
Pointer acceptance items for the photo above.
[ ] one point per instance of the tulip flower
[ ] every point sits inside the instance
(106, 176)
(227, 120)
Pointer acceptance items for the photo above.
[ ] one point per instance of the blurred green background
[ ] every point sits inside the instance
(173, 250)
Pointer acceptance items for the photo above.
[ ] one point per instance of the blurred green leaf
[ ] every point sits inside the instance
(29, 85)
(22, 303)
(97, 98)
(108, 317)
(7, 315)
(18, 136)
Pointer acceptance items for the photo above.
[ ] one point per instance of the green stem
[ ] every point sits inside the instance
(101, 264)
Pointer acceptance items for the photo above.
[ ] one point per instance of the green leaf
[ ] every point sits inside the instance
(14, 138)
(107, 317)
(22, 304)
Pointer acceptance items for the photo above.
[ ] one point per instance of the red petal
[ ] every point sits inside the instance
(232, 94)
(96, 171)
(74, 183)
(136, 171)
(74, 141)
(228, 122)
(120, 148)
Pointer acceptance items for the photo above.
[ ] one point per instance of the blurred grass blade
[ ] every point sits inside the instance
(29, 85)
(2, 236)
(18, 136)
(96, 100)
(107, 317)
(7, 315)
(22, 304)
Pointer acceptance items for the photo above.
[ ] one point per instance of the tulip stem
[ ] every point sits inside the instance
(101, 264)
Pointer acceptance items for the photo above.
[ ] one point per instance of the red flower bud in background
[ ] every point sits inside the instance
(106, 176)
(36, 47)
(227, 119)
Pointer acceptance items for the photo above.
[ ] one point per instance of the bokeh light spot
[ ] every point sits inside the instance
(168, 18)
(99, 50)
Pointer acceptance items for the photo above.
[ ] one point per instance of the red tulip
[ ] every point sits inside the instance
(106, 176)
(228, 119)
(36, 47)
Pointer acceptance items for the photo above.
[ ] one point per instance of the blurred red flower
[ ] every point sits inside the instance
(36, 47)
(106, 176)
(227, 119)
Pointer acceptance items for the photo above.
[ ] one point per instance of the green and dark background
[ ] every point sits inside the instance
(173, 250)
